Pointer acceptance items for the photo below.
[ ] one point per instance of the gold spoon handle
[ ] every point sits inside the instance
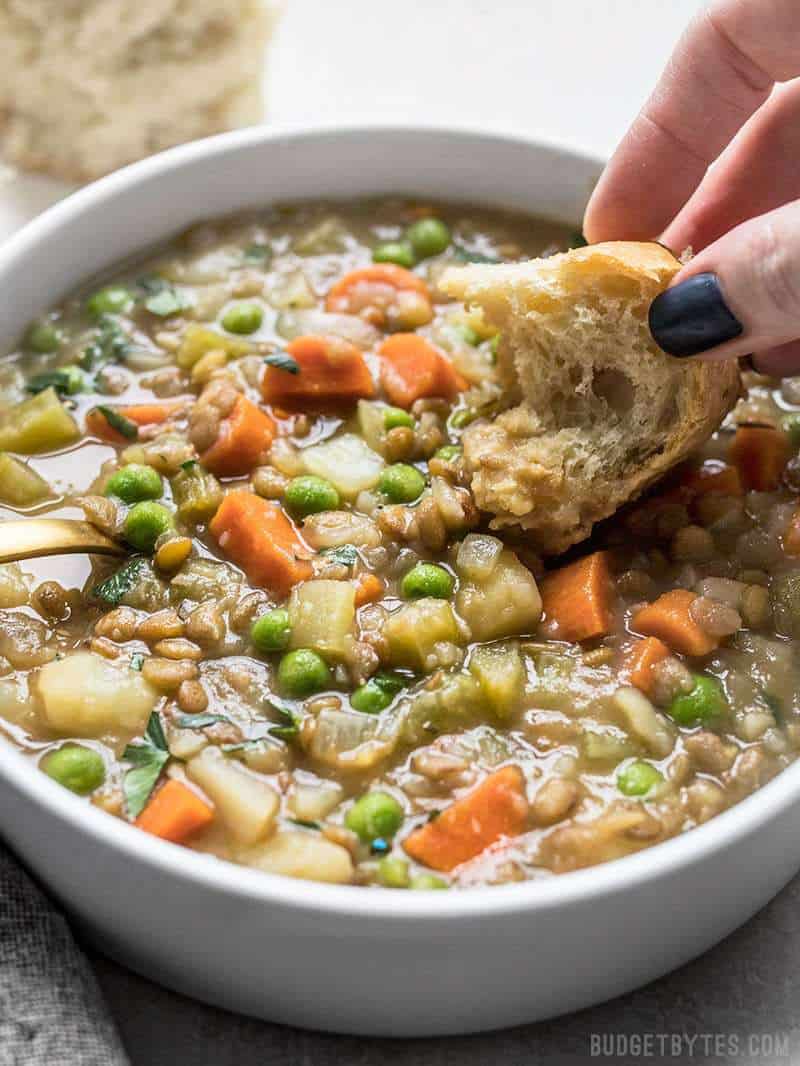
(30, 538)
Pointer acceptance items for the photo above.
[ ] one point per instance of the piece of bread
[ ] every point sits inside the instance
(594, 410)
(87, 86)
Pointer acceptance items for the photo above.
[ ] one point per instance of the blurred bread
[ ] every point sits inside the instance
(87, 86)
(595, 411)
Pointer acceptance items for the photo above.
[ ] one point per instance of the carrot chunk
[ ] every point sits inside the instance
(497, 808)
(329, 371)
(714, 477)
(346, 290)
(760, 453)
(258, 536)
(411, 367)
(244, 435)
(791, 536)
(369, 588)
(640, 660)
(669, 618)
(140, 414)
(577, 598)
(175, 813)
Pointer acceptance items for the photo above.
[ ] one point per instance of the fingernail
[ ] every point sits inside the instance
(692, 317)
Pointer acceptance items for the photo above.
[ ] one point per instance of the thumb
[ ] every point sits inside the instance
(740, 295)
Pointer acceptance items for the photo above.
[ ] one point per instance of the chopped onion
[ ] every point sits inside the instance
(299, 323)
(477, 556)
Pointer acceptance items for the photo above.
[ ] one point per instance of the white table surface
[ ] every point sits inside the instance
(575, 72)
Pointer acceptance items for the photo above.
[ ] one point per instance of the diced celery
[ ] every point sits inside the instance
(371, 423)
(40, 424)
(20, 486)
(197, 494)
(322, 617)
(501, 674)
(198, 341)
(448, 707)
(347, 462)
(505, 604)
(607, 745)
(412, 631)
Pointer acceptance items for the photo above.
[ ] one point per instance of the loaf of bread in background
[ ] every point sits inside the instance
(595, 411)
(87, 86)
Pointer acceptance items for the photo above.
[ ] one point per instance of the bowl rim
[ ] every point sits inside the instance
(668, 858)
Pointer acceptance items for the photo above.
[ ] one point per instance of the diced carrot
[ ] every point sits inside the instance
(392, 276)
(760, 453)
(576, 599)
(497, 808)
(330, 371)
(669, 618)
(791, 536)
(175, 813)
(640, 660)
(411, 367)
(258, 536)
(714, 476)
(369, 588)
(141, 414)
(243, 437)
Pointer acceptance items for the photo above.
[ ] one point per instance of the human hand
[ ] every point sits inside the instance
(718, 100)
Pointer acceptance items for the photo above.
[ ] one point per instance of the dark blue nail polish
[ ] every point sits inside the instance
(692, 317)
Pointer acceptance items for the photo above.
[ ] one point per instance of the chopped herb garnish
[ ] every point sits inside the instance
(282, 361)
(67, 380)
(110, 344)
(114, 588)
(162, 299)
(118, 421)
(257, 253)
(773, 702)
(199, 721)
(462, 418)
(189, 465)
(289, 727)
(148, 757)
(577, 240)
(465, 255)
(345, 554)
(137, 659)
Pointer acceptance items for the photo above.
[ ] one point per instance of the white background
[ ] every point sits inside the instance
(571, 71)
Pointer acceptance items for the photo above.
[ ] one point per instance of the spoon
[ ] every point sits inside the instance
(30, 538)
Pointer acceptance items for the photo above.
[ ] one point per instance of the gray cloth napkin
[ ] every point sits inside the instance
(51, 1010)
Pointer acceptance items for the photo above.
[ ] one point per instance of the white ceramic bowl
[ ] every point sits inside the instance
(343, 958)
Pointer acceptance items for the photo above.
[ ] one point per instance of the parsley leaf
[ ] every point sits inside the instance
(110, 344)
(466, 255)
(257, 253)
(137, 659)
(148, 757)
(282, 361)
(345, 554)
(118, 421)
(162, 299)
(114, 588)
(66, 380)
(199, 721)
(305, 823)
(289, 726)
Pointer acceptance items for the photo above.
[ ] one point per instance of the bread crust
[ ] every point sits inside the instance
(555, 466)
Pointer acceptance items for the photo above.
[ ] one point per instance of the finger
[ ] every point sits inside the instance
(739, 295)
(722, 70)
(781, 362)
(755, 174)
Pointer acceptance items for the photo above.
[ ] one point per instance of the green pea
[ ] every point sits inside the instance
(302, 673)
(243, 318)
(79, 769)
(145, 523)
(703, 703)
(43, 337)
(425, 882)
(399, 252)
(135, 482)
(448, 453)
(310, 494)
(271, 631)
(638, 778)
(393, 872)
(396, 416)
(791, 427)
(376, 694)
(111, 301)
(376, 814)
(401, 483)
(429, 236)
(427, 579)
